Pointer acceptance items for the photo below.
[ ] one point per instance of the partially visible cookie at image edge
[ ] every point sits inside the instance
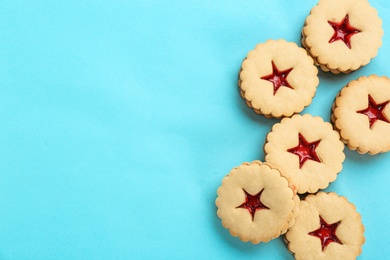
(328, 227)
(342, 36)
(361, 113)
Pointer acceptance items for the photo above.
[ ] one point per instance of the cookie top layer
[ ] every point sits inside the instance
(328, 227)
(362, 114)
(256, 203)
(278, 78)
(343, 35)
(306, 150)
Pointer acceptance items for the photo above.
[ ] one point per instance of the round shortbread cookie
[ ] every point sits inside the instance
(306, 150)
(278, 79)
(328, 227)
(342, 36)
(361, 113)
(256, 203)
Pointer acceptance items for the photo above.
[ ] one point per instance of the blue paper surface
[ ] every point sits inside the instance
(119, 119)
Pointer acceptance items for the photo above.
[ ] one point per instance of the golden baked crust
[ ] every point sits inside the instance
(354, 127)
(336, 56)
(334, 210)
(311, 175)
(255, 79)
(277, 195)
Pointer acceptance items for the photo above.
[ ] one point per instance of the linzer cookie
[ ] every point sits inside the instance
(306, 150)
(361, 113)
(278, 79)
(342, 36)
(327, 227)
(256, 203)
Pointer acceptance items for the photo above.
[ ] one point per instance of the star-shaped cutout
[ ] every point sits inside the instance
(252, 203)
(305, 150)
(374, 111)
(326, 233)
(278, 78)
(343, 31)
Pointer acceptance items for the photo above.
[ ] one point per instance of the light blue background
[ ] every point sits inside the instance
(119, 119)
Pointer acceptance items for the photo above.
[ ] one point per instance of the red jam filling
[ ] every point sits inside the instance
(326, 233)
(278, 78)
(343, 31)
(305, 150)
(374, 111)
(253, 203)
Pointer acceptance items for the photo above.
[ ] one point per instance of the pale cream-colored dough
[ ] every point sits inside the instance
(313, 175)
(354, 127)
(259, 92)
(332, 208)
(337, 57)
(278, 196)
